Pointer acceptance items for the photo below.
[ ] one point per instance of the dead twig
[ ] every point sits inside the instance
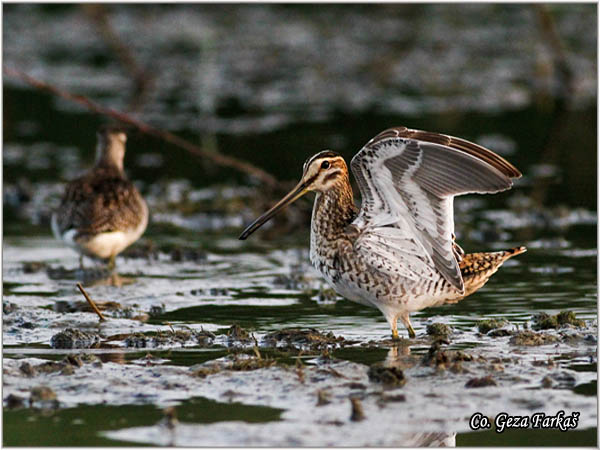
(91, 302)
(217, 158)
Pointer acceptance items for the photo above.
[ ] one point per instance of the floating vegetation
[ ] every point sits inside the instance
(73, 338)
(389, 376)
(445, 359)
(439, 330)
(531, 338)
(276, 380)
(236, 334)
(43, 396)
(487, 325)
(481, 382)
(357, 413)
(34, 266)
(544, 321)
(303, 339)
(167, 338)
(235, 363)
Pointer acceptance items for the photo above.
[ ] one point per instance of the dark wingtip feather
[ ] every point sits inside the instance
(469, 147)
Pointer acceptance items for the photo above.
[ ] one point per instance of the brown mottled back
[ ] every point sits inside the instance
(100, 201)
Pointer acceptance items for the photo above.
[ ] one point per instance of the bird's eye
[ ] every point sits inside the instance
(325, 165)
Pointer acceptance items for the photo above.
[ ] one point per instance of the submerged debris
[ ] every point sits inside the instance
(206, 370)
(8, 307)
(236, 363)
(323, 397)
(204, 337)
(14, 401)
(183, 254)
(295, 281)
(63, 306)
(487, 325)
(481, 382)
(33, 266)
(531, 338)
(243, 364)
(159, 339)
(27, 369)
(141, 250)
(326, 296)
(87, 275)
(237, 334)
(443, 359)
(73, 338)
(66, 367)
(358, 413)
(439, 329)
(544, 321)
(298, 338)
(384, 399)
(43, 396)
(389, 376)
(170, 418)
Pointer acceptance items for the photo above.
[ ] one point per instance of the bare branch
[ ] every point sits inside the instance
(91, 303)
(217, 158)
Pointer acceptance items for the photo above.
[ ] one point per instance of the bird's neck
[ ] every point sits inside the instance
(333, 210)
(110, 156)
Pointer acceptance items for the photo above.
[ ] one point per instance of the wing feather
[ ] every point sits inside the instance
(408, 180)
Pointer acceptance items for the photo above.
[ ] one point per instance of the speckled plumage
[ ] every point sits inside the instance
(398, 251)
(102, 212)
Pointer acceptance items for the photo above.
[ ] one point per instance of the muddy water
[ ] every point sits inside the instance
(147, 357)
(212, 341)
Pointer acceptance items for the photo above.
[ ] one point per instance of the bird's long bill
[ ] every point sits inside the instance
(294, 195)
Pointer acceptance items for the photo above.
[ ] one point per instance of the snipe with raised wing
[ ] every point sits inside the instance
(397, 252)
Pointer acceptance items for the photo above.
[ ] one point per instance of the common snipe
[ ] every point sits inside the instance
(102, 213)
(398, 252)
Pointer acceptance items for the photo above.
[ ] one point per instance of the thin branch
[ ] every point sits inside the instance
(91, 302)
(217, 158)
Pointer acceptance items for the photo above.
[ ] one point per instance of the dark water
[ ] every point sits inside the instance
(273, 85)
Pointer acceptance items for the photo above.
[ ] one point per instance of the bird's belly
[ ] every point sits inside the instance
(352, 292)
(104, 245)
(396, 293)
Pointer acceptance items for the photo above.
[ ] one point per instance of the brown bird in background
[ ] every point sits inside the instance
(102, 212)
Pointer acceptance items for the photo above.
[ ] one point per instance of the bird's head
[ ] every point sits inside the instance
(321, 173)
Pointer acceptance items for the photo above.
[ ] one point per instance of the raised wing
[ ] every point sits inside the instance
(408, 180)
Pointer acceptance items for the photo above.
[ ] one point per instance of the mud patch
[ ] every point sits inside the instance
(73, 338)
(543, 321)
(299, 339)
(531, 338)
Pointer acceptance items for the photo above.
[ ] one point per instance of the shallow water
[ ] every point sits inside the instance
(189, 279)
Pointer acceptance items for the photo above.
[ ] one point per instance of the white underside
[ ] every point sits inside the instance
(102, 245)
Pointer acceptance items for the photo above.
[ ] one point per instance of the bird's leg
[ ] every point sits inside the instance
(81, 261)
(406, 321)
(111, 262)
(392, 320)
